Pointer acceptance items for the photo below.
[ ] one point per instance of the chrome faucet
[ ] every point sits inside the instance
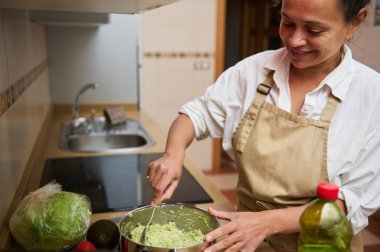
(76, 121)
(76, 102)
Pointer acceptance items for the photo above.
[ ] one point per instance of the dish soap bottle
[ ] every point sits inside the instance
(324, 226)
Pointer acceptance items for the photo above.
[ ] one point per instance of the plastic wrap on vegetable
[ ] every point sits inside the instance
(50, 219)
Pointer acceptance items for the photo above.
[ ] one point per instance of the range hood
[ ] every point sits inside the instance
(97, 6)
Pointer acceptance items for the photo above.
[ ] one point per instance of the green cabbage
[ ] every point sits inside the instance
(50, 219)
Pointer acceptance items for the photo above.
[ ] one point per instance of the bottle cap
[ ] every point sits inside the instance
(327, 191)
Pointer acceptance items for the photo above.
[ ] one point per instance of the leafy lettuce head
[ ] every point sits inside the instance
(50, 219)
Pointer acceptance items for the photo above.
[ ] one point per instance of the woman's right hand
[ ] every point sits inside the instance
(163, 176)
(164, 173)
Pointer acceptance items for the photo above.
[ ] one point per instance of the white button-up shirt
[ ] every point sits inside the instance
(354, 136)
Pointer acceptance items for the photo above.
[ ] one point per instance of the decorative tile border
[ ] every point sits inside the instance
(10, 95)
(178, 54)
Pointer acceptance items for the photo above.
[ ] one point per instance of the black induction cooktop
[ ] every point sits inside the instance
(116, 182)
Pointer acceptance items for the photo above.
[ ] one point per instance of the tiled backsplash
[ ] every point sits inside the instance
(24, 99)
(10, 95)
(158, 54)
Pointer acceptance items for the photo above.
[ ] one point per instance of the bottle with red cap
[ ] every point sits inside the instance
(324, 226)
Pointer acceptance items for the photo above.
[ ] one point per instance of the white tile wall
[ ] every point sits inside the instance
(168, 82)
(16, 40)
(20, 125)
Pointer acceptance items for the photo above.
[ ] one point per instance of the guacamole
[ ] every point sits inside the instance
(167, 236)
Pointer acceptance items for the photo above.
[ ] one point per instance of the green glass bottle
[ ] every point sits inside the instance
(324, 226)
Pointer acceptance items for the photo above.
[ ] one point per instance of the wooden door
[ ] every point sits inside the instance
(244, 27)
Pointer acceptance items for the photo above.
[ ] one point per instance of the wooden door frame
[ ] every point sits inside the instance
(219, 68)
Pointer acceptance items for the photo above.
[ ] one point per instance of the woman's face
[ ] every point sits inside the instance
(313, 32)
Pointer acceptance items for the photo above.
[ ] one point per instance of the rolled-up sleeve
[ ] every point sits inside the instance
(360, 187)
(208, 112)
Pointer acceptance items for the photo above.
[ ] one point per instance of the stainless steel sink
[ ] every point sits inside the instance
(95, 135)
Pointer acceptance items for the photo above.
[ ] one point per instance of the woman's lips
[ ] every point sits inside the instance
(298, 54)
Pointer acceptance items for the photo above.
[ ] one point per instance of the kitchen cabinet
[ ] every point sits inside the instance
(68, 18)
(97, 6)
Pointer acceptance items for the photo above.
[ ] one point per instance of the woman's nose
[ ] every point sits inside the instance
(297, 38)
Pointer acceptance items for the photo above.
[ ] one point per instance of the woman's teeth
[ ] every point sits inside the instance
(299, 52)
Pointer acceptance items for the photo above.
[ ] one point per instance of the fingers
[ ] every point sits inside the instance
(158, 197)
(220, 232)
(228, 240)
(151, 171)
(244, 232)
(156, 200)
(170, 190)
(236, 247)
(225, 235)
(220, 214)
(163, 179)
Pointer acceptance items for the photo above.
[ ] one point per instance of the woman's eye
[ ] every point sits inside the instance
(287, 24)
(315, 32)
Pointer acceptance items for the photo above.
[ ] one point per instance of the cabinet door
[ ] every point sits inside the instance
(109, 6)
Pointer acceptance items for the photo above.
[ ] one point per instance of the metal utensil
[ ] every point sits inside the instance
(186, 216)
(143, 237)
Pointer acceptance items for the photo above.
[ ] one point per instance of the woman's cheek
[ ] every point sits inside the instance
(282, 32)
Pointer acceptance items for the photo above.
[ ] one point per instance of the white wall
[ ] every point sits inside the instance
(365, 45)
(106, 55)
(176, 41)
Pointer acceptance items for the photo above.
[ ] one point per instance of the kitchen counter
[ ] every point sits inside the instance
(220, 202)
(53, 151)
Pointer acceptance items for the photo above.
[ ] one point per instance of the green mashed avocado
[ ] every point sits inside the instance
(167, 236)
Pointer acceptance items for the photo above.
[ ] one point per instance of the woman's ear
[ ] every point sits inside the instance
(356, 23)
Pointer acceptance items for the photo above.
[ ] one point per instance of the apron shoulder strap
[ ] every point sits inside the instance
(329, 110)
(264, 88)
(262, 91)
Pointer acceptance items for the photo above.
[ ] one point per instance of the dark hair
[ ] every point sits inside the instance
(351, 8)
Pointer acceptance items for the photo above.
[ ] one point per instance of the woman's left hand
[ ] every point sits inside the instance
(244, 232)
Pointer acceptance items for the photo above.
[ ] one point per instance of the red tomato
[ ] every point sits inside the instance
(85, 246)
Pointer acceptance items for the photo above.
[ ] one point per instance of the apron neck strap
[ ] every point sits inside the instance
(264, 88)
(329, 110)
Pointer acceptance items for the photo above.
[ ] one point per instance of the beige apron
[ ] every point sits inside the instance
(281, 158)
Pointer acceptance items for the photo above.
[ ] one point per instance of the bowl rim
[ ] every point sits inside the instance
(187, 205)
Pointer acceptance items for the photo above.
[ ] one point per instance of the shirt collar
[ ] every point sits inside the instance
(279, 62)
(338, 80)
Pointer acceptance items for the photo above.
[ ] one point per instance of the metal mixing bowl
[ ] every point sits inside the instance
(186, 217)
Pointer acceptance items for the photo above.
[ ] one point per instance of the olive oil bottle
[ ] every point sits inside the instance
(324, 226)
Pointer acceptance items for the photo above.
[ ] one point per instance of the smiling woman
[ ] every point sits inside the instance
(290, 118)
